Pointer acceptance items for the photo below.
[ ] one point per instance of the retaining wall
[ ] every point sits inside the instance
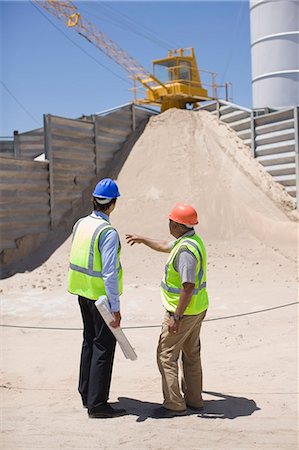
(37, 197)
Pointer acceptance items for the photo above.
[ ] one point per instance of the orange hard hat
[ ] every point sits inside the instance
(184, 214)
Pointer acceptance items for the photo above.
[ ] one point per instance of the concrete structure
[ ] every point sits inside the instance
(271, 135)
(275, 53)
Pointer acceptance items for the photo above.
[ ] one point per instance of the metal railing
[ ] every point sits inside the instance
(208, 82)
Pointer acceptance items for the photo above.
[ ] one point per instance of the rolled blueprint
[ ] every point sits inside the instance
(103, 307)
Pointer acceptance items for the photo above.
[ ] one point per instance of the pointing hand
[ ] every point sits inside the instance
(133, 239)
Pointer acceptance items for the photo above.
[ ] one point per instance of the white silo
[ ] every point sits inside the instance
(274, 28)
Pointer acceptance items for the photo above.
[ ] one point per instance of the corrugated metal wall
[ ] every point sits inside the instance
(30, 144)
(36, 196)
(24, 145)
(272, 136)
(111, 131)
(24, 199)
(7, 148)
(70, 149)
(276, 146)
(238, 118)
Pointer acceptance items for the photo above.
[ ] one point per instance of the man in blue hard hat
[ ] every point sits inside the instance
(95, 270)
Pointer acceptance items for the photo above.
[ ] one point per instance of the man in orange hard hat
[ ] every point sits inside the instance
(184, 296)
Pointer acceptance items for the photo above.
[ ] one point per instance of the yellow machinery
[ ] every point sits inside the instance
(175, 81)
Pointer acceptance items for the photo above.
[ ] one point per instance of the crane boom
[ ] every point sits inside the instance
(68, 13)
(182, 86)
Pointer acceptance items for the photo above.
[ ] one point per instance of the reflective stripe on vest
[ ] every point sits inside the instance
(86, 274)
(200, 274)
(89, 270)
(178, 291)
(92, 273)
(171, 286)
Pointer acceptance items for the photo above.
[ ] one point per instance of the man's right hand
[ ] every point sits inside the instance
(117, 318)
(159, 246)
(134, 239)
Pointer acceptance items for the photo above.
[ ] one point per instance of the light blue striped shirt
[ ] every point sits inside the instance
(108, 247)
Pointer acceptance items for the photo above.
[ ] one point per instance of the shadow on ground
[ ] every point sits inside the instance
(227, 406)
(39, 255)
(223, 407)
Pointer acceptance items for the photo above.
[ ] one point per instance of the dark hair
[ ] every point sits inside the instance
(103, 208)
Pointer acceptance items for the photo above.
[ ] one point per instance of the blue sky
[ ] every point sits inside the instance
(48, 68)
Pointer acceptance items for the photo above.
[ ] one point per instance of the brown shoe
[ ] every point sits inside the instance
(165, 413)
(195, 408)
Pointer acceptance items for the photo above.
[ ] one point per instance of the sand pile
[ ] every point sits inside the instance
(249, 356)
(191, 157)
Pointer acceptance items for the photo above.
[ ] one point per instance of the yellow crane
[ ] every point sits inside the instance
(181, 83)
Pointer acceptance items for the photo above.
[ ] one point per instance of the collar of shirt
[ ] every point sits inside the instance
(100, 214)
(188, 233)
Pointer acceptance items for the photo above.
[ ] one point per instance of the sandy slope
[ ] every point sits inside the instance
(249, 339)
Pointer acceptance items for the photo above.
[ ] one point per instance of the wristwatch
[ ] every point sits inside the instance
(176, 317)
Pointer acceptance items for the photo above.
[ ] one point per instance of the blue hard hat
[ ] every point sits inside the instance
(106, 188)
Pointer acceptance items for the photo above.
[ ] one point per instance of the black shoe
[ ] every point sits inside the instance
(160, 413)
(195, 408)
(106, 412)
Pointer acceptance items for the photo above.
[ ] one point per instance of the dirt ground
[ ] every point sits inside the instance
(249, 350)
(249, 337)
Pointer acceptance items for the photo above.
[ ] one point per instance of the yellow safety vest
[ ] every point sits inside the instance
(85, 272)
(171, 284)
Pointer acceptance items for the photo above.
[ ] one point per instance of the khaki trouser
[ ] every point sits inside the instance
(187, 341)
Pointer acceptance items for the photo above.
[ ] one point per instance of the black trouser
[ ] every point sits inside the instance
(96, 357)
